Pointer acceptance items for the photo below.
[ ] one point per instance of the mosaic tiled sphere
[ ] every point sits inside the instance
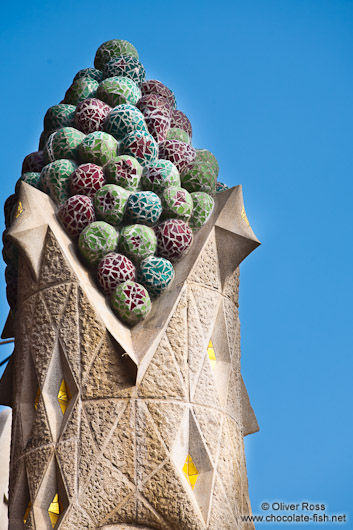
(76, 213)
(174, 239)
(87, 179)
(207, 157)
(124, 171)
(31, 178)
(181, 154)
(123, 120)
(144, 207)
(181, 121)
(97, 240)
(9, 204)
(126, 66)
(220, 186)
(113, 48)
(59, 116)
(203, 174)
(177, 202)
(153, 102)
(142, 146)
(156, 274)
(64, 143)
(34, 162)
(203, 208)
(55, 179)
(158, 123)
(83, 88)
(118, 90)
(163, 174)
(114, 269)
(152, 86)
(178, 134)
(93, 73)
(110, 203)
(90, 115)
(98, 147)
(131, 302)
(138, 241)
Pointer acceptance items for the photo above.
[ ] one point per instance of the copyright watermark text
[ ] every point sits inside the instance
(295, 512)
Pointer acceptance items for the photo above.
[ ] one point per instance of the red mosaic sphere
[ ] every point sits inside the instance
(76, 213)
(158, 123)
(152, 86)
(90, 115)
(180, 121)
(33, 162)
(152, 102)
(181, 154)
(87, 179)
(174, 239)
(114, 269)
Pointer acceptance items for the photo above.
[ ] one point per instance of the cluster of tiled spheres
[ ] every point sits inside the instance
(116, 158)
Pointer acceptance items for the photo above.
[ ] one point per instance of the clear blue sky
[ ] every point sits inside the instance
(268, 87)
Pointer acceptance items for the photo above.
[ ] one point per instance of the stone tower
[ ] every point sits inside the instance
(119, 428)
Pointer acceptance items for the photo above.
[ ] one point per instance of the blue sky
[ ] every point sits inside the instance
(268, 87)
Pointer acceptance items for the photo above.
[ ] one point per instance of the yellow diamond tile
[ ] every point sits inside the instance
(64, 396)
(36, 399)
(28, 509)
(190, 471)
(211, 354)
(55, 510)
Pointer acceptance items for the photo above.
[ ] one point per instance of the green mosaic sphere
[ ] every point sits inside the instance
(203, 174)
(126, 66)
(92, 73)
(118, 91)
(83, 88)
(131, 302)
(59, 116)
(220, 186)
(124, 171)
(31, 178)
(177, 203)
(64, 143)
(178, 134)
(55, 179)
(144, 207)
(138, 241)
(98, 148)
(97, 240)
(161, 175)
(110, 203)
(142, 146)
(156, 274)
(113, 48)
(203, 208)
(123, 120)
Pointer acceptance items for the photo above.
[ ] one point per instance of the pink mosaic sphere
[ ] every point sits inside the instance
(33, 162)
(174, 239)
(90, 115)
(76, 213)
(181, 154)
(152, 86)
(87, 179)
(114, 269)
(158, 124)
(180, 121)
(152, 102)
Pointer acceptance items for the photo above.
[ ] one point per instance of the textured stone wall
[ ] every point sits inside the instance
(115, 457)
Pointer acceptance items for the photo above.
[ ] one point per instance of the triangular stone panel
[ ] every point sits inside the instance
(209, 421)
(66, 453)
(206, 392)
(196, 343)
(40, 433)
(102, 415)
(54, 267)
(207, 302)
(167, 418)
(177, 334)
(36, 464)
(206, 269)
(69, 333)
(120, 449)
(55, 300)
(42, 339)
